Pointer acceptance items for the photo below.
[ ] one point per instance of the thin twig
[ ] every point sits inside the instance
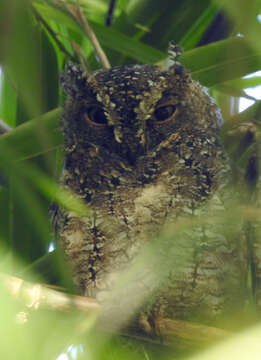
(52, 33)
(109, 16)
(80, 55)
(77, 13)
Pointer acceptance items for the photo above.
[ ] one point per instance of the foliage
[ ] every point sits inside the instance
(37, 38)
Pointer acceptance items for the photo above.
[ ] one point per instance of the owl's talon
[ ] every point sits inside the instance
(150, 325)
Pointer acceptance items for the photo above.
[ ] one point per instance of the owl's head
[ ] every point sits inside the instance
(129, 110)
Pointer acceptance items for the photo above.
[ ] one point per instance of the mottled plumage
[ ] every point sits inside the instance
(141, 149)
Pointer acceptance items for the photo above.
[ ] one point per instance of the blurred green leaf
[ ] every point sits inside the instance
(22, 59)
(235, 348)
(8, 101)
(34, 137)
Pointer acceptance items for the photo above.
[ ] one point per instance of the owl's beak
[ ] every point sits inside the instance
(132, 149)
(133, 152)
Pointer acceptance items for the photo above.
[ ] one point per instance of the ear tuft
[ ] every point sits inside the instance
(174, 52)
(72, 79)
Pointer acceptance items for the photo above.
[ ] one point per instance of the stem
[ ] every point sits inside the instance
(77, 13)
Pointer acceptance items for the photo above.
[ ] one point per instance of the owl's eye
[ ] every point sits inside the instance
(96, 116)
(165, 113)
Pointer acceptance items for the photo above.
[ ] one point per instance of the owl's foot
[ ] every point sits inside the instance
(150, 324)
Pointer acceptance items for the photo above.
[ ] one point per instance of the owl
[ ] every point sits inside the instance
(142, 150)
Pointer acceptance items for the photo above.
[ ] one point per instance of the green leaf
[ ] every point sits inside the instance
(107, 36)
(221, 61)
(245, 17)
(57, 14)
(198, 28)
(232, 91)
(126, 45)
(167, 20)
(244, 83)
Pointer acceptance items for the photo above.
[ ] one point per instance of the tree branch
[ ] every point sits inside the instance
(178, 333)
